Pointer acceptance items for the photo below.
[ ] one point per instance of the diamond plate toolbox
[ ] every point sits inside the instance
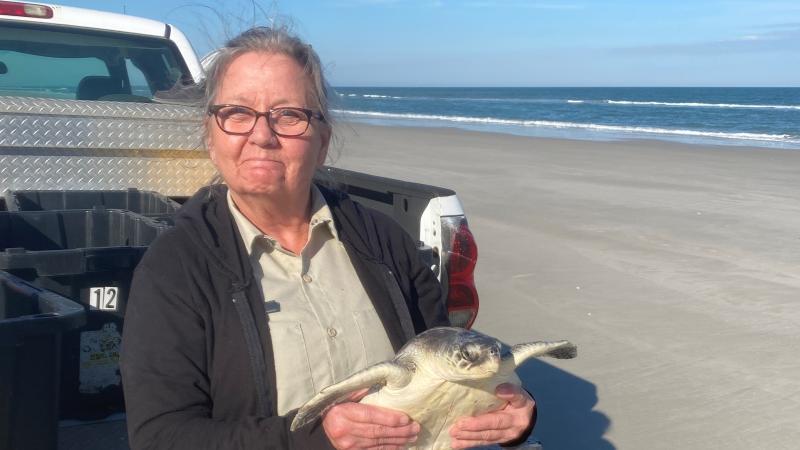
(72, 144)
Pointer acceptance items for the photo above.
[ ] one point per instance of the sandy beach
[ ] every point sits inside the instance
(675, 268)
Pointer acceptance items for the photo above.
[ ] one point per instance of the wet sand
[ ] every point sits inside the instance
(675, 268)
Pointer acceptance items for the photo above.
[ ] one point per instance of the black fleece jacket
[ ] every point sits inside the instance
(197, 361)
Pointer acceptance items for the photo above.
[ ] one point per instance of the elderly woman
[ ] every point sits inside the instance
(270, 287)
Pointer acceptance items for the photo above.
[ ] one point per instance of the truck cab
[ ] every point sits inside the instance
(51, 51)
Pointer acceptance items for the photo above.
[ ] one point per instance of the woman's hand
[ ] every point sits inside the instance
(503, 425)
(355, 426)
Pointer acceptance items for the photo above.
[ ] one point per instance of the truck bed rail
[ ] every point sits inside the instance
(74, 144)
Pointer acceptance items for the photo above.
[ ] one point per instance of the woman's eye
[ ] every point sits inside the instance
(289, 115)
(237, 114)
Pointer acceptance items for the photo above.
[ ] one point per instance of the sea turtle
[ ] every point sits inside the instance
(437, 377)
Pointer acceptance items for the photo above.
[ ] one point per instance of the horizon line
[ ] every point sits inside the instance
(570, 87)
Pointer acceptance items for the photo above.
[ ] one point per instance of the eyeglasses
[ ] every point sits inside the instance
(286, 122)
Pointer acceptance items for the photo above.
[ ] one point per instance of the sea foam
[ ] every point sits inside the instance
(572, 125)
(584, 101)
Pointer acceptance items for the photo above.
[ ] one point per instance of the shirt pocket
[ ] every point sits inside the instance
(292, 365)
(374, 341)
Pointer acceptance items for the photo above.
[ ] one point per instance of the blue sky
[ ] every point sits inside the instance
(516, 42)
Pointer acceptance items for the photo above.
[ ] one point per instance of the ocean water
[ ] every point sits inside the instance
(762, 117)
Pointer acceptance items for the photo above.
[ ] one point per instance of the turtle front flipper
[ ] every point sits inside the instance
(386, 373)
(557, 349)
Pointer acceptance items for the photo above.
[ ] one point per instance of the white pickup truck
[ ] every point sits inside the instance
(82, 109)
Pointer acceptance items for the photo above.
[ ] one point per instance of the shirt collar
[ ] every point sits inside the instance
(320, 212)
(250, 233)
(321, 218)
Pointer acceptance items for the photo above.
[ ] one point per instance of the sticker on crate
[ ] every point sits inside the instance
(99, 359)
(104, 298)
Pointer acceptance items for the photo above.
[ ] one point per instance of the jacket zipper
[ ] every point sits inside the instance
(254, 349)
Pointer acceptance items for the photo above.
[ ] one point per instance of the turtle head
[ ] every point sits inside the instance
(477, 357)
(458, 354)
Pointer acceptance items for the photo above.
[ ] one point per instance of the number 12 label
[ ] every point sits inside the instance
(103, 298)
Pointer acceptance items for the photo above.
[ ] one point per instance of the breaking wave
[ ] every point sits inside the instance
(581, 126)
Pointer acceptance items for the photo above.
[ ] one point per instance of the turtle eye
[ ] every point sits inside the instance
(469, 354)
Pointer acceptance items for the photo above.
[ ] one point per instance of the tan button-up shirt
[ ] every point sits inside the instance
(322, 323)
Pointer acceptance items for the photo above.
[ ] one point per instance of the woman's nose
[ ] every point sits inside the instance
(262, 134)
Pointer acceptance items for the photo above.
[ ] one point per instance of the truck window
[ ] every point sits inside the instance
(139, 85)
(45, 76)
(65, 63)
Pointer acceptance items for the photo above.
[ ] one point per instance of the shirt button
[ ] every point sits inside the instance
(332, 332)
(307, 278)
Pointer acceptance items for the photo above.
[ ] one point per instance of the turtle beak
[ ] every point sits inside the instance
(491, 359)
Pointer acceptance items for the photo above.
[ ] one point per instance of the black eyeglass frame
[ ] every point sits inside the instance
(213, 110)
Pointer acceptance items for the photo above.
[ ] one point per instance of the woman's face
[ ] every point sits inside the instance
(262, 163)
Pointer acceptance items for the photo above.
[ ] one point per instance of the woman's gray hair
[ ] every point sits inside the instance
(270, 40)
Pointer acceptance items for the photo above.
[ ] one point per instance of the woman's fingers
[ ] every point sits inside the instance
(483, 430)
(357, 412)
(490, 421)
(357, 426)
(513, 394)
(503, 425)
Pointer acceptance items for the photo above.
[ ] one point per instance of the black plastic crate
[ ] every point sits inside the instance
(147, 203)
(73, 242)
(32, 321)
(87, 256)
